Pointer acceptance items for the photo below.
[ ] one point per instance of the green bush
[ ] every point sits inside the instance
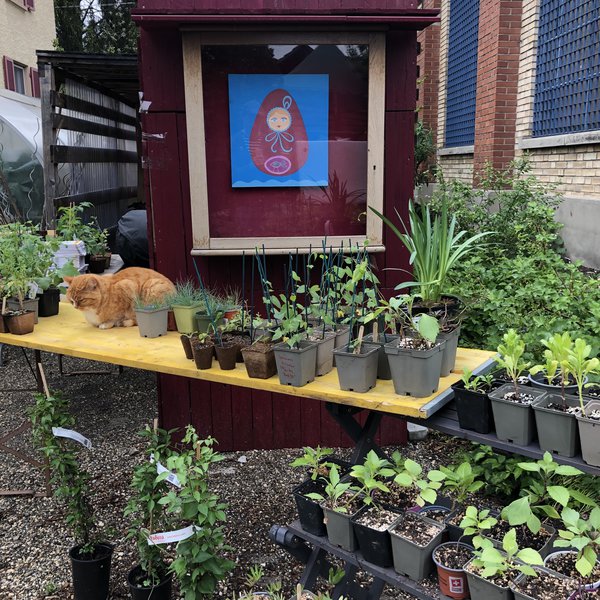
(520, 279)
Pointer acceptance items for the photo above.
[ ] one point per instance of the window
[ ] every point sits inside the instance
(567, 96)
(19, 72)
(26, 4)
(330, 88)
(462, 73)
(15, 77)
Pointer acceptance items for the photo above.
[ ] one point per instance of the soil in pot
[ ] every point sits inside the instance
(418, 531)
(91, 572)
(370, 526)
(439, 514)
(202, 353)
(450, 559)
(161, 591)
(592, 390)
(525, 537)
(564, 563)
(227, 354)
(546, 586)
(259, 359)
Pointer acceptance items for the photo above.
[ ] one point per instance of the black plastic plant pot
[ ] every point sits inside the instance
(514, 422)
(162, 591)
(48, 302)
(97, 264)
(474, 409)
(557, 430)
(450, 350)
(383, 366)
(310, 512)
(91, 574)
(375, 545)
(410, 559)
(296, 366)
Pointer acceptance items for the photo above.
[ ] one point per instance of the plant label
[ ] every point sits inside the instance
(169, 537)
(72, 435)
(456, 585)
(171, 477)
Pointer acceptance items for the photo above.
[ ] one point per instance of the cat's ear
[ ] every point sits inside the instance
(91, 283)
(68, 279)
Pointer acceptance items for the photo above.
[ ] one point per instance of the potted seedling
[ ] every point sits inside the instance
(150, 579)
(472, 402)
(415, 358)
(52, 285)
(259, 359)
(234, 333)
(70, 231)
(411, 489)
(340, 502)
(151, 317)
(357, 365)
(198, 564)
(588, 420)
(511, 403)
(555, 412)
(95, 239)
(185, 302)
(296, 357)
(90, 558)
(210, 316)
(491, 570)
(372, 522)
(203, 348)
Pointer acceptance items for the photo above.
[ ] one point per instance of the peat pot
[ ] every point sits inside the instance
(415, 372)
(557, 430)
(589, 432)
(296, 366)
(515, 423)
(91, 576)
(227, 355)
(202, 353)
(162, 591)
(357, 372)
(48, 302)
(152, 322)
(20, 323)
(450, 350)
(29, 304)
(474, 409)
(186, 342)
(259, 359)
(452, 581)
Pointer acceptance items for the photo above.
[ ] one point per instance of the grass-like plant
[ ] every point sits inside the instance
(186, 294)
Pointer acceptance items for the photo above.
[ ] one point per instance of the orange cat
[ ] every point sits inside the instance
(108, 301)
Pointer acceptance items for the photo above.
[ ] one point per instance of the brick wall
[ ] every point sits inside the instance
(458, 166)
(429, 71)
(497, 77)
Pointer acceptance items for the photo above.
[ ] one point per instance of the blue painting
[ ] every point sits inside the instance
(279, 130)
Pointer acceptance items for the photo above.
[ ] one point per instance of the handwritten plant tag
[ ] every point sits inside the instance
(171, 478)
(72, 435)
(170, 537)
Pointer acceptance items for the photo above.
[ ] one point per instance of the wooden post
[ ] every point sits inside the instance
(49, 135)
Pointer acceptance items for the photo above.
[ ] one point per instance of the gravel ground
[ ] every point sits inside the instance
(110, 409)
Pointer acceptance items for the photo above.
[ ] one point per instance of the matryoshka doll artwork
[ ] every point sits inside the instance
(278, 142)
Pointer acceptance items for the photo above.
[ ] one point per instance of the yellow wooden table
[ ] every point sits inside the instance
(70, 334)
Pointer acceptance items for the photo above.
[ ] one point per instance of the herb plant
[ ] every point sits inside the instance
(511, 357)
(70, 225)
(338, 494)
(411, 476)
(314, 459)
(479, 383)
(371, 476)
(460, 482)
(583, 535)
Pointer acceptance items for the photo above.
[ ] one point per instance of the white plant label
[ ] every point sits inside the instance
(171, 478)
(170, 537)
(72, 435)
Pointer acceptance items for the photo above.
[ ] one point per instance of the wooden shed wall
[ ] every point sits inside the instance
(240, 418)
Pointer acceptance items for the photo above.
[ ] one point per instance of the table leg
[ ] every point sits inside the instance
(362, 436)
(71, 373)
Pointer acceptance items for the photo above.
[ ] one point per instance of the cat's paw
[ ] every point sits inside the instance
(129, 323)
(107, 325)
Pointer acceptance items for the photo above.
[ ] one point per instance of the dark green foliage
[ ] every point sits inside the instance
(520, 279)
(424, 151)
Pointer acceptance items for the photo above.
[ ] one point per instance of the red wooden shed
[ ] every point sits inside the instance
(202, 62)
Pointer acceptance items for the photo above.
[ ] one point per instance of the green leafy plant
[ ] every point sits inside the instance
(198, 564)
(435, 245)
(94, 237)
(398, 312)
(479, 383)
(314, 459)
(583, 535)
(54, 278)
(411, 476)
(511, 357)
(460, 482)
(491, 562)
(580, 365)
(144, 508)
(477, 523)
(290, 317)
(338, 495)
(69, 480)
(371, 476)
(556, 365)
(70, 225)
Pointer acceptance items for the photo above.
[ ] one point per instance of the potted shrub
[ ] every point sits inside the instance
(185, 302)
(415, 358)
(372, 522)
(555, 412)
(511, 403)
(70, 232)
(151, 317)
(472, 402)
(95, 240)
(198, 561)
(52, 285)
(581, 365)
(150, 579)
(295, 356)
(413, 539)
(340, 502)
(90, 558)
(491, 570)
(357, 365)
